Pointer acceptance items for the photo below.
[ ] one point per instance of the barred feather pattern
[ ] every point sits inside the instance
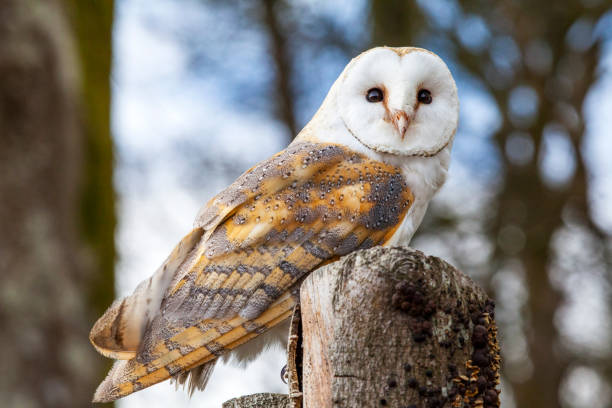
(304, 207)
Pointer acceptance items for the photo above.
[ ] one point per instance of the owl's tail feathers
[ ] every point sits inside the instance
(189, 349)
(107, 391)
(119, 332)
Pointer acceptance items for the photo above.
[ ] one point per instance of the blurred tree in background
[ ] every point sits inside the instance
(57, 214)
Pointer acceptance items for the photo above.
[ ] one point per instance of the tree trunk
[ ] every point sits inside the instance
(393, 327)
(49, 265)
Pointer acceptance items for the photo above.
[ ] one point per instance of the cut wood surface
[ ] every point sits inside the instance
(394, 327)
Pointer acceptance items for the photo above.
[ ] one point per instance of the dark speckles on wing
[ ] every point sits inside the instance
(303, 194)
(387, 194)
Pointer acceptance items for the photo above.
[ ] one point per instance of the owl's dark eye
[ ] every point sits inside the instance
(424, 96)
(374, 95)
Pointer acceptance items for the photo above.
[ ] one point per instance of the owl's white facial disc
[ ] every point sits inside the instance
(400, 122)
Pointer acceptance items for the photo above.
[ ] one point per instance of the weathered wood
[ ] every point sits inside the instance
(264, 400)
(393, 327)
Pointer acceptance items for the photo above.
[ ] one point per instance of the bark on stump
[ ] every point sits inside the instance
(264, 400)
(394, 327)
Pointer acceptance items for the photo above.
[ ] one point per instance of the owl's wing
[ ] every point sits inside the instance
(285, 217)
(118, 333)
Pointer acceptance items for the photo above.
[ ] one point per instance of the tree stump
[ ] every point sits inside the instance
(393, 327)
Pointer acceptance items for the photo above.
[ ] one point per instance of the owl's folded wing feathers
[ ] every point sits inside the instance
(232, 278)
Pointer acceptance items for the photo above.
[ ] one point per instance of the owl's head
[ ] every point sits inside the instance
(401, 101)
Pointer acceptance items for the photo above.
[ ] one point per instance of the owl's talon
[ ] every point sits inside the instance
(283, 374)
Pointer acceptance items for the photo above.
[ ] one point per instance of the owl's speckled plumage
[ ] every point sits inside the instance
(237, 274)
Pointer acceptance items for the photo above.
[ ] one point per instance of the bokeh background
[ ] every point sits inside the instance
(118, 120)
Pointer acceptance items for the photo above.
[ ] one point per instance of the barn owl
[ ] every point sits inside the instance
(361, 173)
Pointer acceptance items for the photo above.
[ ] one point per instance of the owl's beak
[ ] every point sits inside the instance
(401, 121)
